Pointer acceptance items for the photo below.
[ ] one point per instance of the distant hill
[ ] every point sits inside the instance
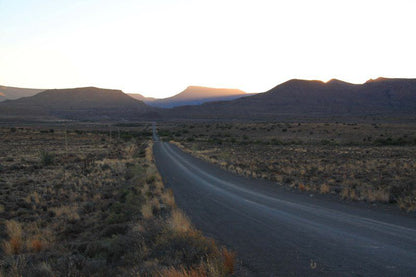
(11, 93)
(89, 103)
(313, 98)
(141, 97)
(292, 99)
(196, 95)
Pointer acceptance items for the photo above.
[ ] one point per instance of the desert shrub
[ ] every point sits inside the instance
(379, 195)
(118, 214)
(15, 244)
(147, 210)
(199, 271)
(229, 258)
(46, 158)
(167, 198)
(275, 142)
(126, 136)
(151, 179)
(393, 141)
(183, 248)
(42, 270)
(114, 229)
(165, 133)
(407, 203)
(324, 188)
(325, 142)
(179, 222)
(36, 245)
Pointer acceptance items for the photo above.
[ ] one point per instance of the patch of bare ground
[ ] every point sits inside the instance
(80, 203)
(368, 162)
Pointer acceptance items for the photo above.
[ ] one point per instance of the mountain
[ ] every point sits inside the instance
(89, 103)
(196, 95)
(292, 99)
(140, 97)
(11, 93)
(313, 99)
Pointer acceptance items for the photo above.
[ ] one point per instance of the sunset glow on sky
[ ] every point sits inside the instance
(157, 48)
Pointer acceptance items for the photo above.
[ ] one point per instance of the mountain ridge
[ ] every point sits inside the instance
(314, 98)
(293, 98)
(87, 103)
(12, 93)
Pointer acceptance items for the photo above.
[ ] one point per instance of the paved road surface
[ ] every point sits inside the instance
(281, 233)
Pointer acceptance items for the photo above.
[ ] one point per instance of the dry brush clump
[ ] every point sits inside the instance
(14, 245)
(99, 209)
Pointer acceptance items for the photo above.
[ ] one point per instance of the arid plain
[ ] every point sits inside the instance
(372, 162)
(88, 201)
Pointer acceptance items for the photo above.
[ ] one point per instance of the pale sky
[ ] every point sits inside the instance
(158, 48)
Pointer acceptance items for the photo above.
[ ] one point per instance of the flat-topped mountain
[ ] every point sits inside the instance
(196, 95)
(11, 93)
(89, 103)
(197, 92)
(314, 98)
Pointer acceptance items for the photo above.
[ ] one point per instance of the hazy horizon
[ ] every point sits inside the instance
(216, 88)
(158, 48)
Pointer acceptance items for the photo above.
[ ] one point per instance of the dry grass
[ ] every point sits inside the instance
(67, 211)
(100, 209)
(14, 245)
(168, 198)
(229, 258)
(36, 245)
(407, 203)
(179, 222)
(349, 193)
(223, 264)
(380, 195)
(149, 152)
(182, 272)
(147, 210)
(324, 189)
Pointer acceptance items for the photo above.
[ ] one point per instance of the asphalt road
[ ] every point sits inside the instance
(276, 232)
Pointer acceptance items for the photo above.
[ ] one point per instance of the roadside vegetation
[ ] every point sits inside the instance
(91, 203)
(356, 161)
